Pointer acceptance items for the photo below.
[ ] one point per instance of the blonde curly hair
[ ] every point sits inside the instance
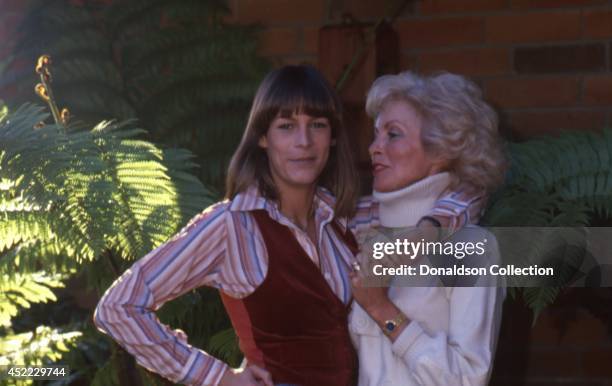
(458, 125)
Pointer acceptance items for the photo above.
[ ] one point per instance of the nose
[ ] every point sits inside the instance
(303, 135)
(375, 147)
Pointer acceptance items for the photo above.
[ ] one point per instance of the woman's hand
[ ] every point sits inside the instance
(375, 301)
(251, 376)
(370, 298)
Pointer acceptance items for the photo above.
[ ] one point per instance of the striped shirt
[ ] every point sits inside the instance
(223, 248)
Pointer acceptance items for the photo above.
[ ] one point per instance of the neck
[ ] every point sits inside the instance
(296, 203)
(405, 206)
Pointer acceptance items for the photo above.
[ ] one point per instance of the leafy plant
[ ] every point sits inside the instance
(555, 182)
(21, 290)
(79, 200)
(187, 76)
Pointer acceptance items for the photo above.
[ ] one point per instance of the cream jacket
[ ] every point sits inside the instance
(452, 334)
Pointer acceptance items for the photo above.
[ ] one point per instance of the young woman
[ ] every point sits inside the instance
(431, 134)
(277, 248)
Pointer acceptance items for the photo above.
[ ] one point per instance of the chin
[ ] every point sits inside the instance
(303, 180)
(382, 187)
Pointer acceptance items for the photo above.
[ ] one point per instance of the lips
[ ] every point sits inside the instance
(377, 168)
(303, 159)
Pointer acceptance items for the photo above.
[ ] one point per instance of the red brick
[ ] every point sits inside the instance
(532, 92)
(598, 24)
(533, 27)
(278, 41)
(526, 124)
(280, 12)
(566, 58)
(408, 61)
(469, 61)
(598, 90)
(597, 362)
(463, 6)
(440, 32)
(532, 4)
(363, 10)
(310, 37)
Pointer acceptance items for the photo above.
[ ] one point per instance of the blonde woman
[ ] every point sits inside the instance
(432, 134)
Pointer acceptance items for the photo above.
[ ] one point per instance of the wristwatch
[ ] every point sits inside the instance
(392, 324)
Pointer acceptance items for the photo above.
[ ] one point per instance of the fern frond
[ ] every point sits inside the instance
(37, 347)
(224, 345)
(575, 165)
(3, 107)
(185, 75)
(106, 375)
(21, 290)
(103, 189)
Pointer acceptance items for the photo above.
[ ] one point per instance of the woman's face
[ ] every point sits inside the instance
(298, 149)
(398, 157)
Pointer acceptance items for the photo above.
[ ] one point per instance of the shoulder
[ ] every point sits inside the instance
(216, 214)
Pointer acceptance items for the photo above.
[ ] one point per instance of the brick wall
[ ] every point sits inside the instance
(546, 65)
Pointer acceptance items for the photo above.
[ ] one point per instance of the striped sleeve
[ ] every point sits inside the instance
(454, 209)
(126, 312)
(366, 215)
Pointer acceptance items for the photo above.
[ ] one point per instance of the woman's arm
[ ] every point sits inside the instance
(451, 211)
(456, 208)
(126, 312)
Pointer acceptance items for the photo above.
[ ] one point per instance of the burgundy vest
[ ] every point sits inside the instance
(293, 324)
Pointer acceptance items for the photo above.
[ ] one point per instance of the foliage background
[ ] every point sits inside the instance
(81, 201)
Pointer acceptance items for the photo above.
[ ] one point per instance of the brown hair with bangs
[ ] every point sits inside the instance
(284, 91)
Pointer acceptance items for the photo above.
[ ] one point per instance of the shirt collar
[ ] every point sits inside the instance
(251, 199)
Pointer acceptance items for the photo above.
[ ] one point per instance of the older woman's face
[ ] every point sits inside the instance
(398, 157)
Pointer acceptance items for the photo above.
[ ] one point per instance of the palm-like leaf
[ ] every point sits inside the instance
(555, 182)
(21, 290)
(188, 77)
(99, 189)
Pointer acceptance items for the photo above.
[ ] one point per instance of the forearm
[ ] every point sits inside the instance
(382, 312)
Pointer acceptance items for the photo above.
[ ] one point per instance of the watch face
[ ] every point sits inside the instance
(390, 326)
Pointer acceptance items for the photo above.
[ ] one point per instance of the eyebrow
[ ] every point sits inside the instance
(293, 119)
(394, 121)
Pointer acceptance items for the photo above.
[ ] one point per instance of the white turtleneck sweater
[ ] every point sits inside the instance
(451, 337)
